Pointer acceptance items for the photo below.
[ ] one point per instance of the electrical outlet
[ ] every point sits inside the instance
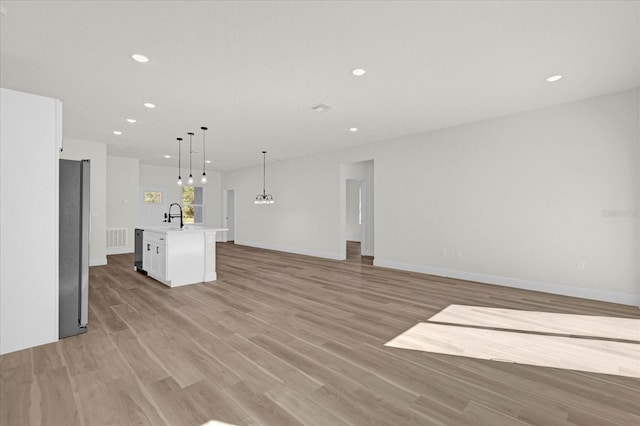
(580, 265)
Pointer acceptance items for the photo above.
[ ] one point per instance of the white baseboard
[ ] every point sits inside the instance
(98, 262)
(119, 250)
(564, 290)
(585, 293)
(334, 256)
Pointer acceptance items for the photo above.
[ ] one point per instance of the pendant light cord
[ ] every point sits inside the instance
(179, 157)
(190, 152)
(204, 154)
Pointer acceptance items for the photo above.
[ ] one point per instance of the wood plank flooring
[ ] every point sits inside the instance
(354, 253)
(283, 339)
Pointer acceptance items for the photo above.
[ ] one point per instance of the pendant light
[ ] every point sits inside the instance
(264, 198)
(190, 180)
(179, 158)
(204, 175)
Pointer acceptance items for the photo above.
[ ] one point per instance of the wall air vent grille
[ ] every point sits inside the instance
(116, 238)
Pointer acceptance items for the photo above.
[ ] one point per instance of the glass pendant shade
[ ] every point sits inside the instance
(204, 178)
(190, 181)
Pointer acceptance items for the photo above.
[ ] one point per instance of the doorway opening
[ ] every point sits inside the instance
(229, 214)
(353, 218)
(357, 221)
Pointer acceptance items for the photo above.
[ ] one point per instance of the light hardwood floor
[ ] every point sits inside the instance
(283, 339)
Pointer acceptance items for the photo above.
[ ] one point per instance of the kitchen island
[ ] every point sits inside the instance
(179, 256)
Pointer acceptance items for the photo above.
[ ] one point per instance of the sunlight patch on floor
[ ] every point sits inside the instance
(542, 322)
(524, 345)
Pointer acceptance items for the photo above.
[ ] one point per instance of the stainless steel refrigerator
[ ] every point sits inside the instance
(74, 247)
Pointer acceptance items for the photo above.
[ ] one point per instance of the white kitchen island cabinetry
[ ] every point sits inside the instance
(177, 257)
(154, 257)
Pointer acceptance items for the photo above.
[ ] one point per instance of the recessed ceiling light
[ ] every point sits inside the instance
(554, 78)
(167, 156)
(117, 132)
(131, 120)
(358, 72)
(353, 129)
(208, 161)
(149, 105)
(139, 58)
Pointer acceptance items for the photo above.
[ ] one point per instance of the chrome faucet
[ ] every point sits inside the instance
(169, 216)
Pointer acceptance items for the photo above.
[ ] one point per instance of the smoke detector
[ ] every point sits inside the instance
(321, 108)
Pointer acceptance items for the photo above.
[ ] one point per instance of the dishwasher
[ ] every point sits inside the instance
(137, 263)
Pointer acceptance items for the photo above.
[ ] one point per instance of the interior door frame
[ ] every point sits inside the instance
(225, 215)
(364, 211)
(361, 189)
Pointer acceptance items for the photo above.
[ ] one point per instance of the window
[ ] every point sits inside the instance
(153, 197)
(192, 204)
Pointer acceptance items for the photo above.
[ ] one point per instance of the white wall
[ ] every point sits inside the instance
(166, 177)
(161, 177)
(75, 149)
(29, 144)
(520, 197)
(305, 217)
(516, 200)
(353, 210)
(123, 198)
(213, 201)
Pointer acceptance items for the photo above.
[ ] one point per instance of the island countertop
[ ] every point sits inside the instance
(176, 228)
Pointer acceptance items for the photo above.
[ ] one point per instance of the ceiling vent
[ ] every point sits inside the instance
(321, 108)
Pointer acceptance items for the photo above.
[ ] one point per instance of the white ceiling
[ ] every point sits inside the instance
(251, 71)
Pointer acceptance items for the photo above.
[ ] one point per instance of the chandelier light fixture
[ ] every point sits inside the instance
(179, 160)
(204, 175)
(264, 198)
(190, 180)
